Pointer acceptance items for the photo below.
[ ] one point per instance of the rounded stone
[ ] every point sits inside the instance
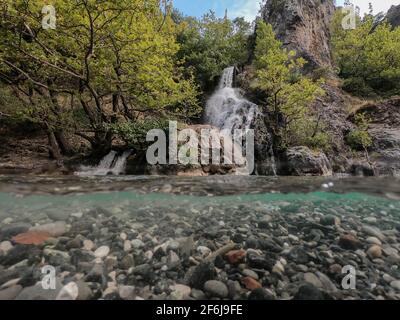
(216, 288)
(102, 252)
(374, 252)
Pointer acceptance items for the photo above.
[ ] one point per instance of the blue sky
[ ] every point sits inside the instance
(249, 8)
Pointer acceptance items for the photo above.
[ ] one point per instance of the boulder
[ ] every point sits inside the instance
(301, 161)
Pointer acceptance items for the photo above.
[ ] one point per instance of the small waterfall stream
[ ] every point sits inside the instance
(112, 164)
(227, 108)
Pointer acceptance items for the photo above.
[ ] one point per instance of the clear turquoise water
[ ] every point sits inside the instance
(126, 195)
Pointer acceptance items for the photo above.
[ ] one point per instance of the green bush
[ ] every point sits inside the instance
(359, 139)
(134, 133)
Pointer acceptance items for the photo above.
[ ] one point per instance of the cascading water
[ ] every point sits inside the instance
(228, 110)
(111, 164)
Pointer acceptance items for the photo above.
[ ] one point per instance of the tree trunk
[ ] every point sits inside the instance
(54, 148)
(65, 146)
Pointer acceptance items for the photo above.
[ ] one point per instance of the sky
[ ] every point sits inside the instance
(250, 8)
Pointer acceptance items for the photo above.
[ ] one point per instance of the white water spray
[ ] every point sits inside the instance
(111, 164)
(227, 108)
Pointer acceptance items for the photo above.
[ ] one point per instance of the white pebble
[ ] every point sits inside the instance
(102, 252)
(127, 245)
(137, 243)
(204, 251)
(123, 236)
(88, 245)
(5, 246)
(68, 292)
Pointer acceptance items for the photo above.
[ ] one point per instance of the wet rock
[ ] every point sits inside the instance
(78, 256)
(137, 244)
(374, 240)
(37, 292)
(261, 294)
(102, 252)
(10, 293)
(298, 255)
(145, 270)
(198, 294)
(97, 274)
(235, 256)
(374, 252)
(201, 274)
(269, 245)
(330, 220)
(127, 292)
(88, 245)
(313, 280)
(74, 244)
(19, 253)
(264, 222)
(69, 292)
(259, 262)
(5, 246)
(349, 242)
(204, 251)
(84, 291)
(14, 229)
(374, 232)
(327, 284)
(216, 289)
(251, 283)
(126, 262)
(250, 273)
(310, 292)
(302, 161)
(395, 285)
(252, 243)
(54, 229)
(183, 290)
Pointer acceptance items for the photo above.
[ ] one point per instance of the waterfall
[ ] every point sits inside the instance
(227, 108)
(112, 164)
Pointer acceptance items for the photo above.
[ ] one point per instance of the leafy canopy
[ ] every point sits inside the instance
(289, 94)
(211, 44)
(368, 57)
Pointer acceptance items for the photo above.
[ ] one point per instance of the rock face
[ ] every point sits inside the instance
(303, 25)
(302, 161)
(393, 16)
(385, 133)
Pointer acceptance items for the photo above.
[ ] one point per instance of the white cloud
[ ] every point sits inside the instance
(250, 8)
(245, 8)
(378, 5)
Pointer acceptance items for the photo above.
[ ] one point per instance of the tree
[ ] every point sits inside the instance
(211, 44)
(289, 94)
(368, 57)
(113, 60)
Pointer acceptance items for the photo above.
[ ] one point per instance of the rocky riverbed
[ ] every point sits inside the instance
(264, 247)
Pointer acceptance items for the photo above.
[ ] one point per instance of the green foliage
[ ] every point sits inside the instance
(211, 44)
(359, 139)
(368, 57)
(134, 133)
(115, 59)
(288, 93)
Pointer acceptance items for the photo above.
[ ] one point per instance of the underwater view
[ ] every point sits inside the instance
(177, 238)
(199, 158)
